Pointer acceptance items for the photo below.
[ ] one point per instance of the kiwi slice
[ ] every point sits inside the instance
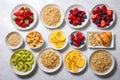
(29, 66)
(31, 61)
(27, 53)
(21, 52)
(13, 61)
(23, 57)
(30, 57)
(25, 68)
(19, 66)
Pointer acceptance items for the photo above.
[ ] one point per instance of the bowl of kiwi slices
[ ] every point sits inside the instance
(22, 62)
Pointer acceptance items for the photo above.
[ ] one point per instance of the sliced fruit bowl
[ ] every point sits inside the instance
(77, 40)
(77, 16)
(23, 17)
(102, 16)
(58, 39)
(22, 62)
(47, 59)
(75, 62)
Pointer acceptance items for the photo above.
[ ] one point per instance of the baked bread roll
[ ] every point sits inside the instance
(105, 38)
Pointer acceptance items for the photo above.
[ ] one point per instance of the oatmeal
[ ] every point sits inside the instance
(51, 16)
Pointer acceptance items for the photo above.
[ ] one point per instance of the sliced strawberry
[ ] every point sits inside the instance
(18, 23)
(95, 16)
(24, 25)
(19, 18)
(81, 37)
(31, 20)
(22, 8)
(109, 12)
(72, 17)
(103, 24)
(76, 44)
(75, 22)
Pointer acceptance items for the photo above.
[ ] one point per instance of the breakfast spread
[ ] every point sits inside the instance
(76, 16)
(57, 39)
(74, 61)
(34, 39)
(49, 58)
(23, 17)
(102, 16)
(22, 60)
(101, 61)
(14, 39)
(51, 16)
(77, 39)
(100, 39)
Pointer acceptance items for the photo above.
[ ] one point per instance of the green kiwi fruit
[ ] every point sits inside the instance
(30, 57)
(25, 68)
(31, 61)
(19, 66)
(29, 66)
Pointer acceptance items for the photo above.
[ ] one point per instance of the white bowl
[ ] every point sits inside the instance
(81, 46)
(46, 69)
(80, 69)
(13, 47)
(61, 47)
(20, 72)
(81, 8)
(62, 16)
(40, 44)
(108, 7)
(16, 9)
(106, 72)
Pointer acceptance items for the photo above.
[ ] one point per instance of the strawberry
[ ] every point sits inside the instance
(72, 37)
(109, 12)
(76, 39)
(103, 24)
(76, 44)
(31, 20)
(19, 18)
(95, 16)
(75, 10)
(98, 9)
(22, 8)
(75, 22)
(77, 34)
(83, 12)
(18, 23)
(81, 37)
(72, 17)
(24, 25)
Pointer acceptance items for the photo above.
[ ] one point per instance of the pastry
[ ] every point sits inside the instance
(104, 38)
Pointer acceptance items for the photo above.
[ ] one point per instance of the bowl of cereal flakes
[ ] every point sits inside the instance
(49, 60)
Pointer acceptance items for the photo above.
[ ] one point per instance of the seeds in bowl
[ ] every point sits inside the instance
(49, 59)
(51, 15)
(101, 61)
(34, 39)
(14, 39)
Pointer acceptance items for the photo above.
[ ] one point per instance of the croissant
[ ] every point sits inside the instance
(105, 38)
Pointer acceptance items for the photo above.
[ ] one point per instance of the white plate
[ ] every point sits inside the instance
(61, 47)
(16, 9)
(40, 44)
(46, 69)
(111, 45)
(81, 8)
(106, 72)
(62, 18)
(12, 47)
(80, 69)
(109, 8)
(20, 72)
(79, 46)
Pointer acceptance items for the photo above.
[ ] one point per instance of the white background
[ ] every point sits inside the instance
(6, 26)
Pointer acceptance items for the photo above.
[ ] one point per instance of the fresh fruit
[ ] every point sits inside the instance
(57, 39)
(74, 61)
(23, 17)
(76, 16)
(22, 60)
(77, 39)
(101, 16)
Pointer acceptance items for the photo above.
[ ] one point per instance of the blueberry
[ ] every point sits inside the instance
(70, 21)
(71, 11)
(99, 13)
(82, 42)
(96, 21)
(71, 42)
(85, 16)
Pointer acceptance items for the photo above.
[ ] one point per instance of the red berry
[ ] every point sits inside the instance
(22, 8)
(98, 9)
(19, 18)
(72, 17)
(95, 16)
(83, 12)
(109, 12)
(75, 22)
(77, 34)
(76, 39)
(18, 23)
(76, 44)
(24, 25)
(82, 20)
(72, 37)
(81, 37)
(103, 24)
(103, 7)
(75, 10)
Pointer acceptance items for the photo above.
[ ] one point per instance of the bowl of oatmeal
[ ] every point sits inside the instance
(49, 60)
(52, 16)
(14, 40)
(102, 62)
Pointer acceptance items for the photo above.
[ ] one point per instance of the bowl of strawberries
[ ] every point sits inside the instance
(23, 17)
(77, 16)
(77, 40)
(102, 16)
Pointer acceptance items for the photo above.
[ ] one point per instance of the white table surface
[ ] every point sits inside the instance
(6, 26)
